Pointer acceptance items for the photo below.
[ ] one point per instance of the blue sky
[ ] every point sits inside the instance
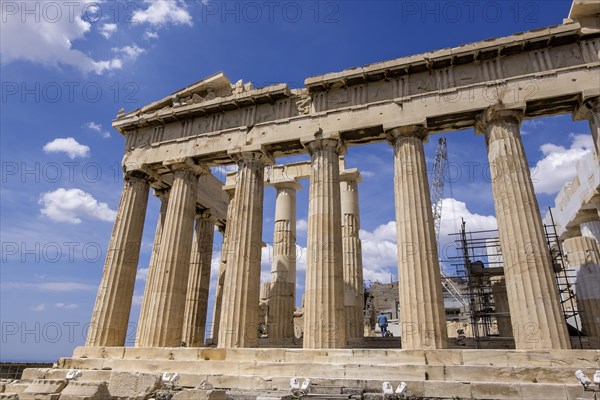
(68, 67)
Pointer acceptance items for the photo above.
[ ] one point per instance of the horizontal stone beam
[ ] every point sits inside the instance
(555, 92)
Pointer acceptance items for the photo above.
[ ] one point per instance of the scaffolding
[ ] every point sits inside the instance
(478, 266)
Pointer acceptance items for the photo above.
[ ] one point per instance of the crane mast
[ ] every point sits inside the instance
(437, 192)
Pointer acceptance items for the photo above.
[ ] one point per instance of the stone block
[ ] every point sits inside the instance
(443, 357)
(200, 394)
(543, 391)
(34, 373)
(132, 385)
(496, 391)
(76, 390)
(99, 352)
(43, 389)
(17, 388)
(212, 354)
(443, 389)
(2, 385)
(574, 392)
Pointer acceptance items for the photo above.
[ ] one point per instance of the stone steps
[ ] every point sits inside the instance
(500, 358)
(468, 374)
(366, 371)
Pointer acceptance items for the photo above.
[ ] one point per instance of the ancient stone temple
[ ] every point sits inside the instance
(171, 145)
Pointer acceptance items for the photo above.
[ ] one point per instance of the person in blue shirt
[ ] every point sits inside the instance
(382, 321)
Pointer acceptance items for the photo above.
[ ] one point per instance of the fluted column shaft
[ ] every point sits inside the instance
(324, 319)
(536, 316)
(352, 255)
(594, 120)
(216, 323)
(282, 292)
(239, 314)
(196, 301)
(167, 300)
(591, 229)
(163, 195)
(583, 255)
(113, 302)
(422, 316)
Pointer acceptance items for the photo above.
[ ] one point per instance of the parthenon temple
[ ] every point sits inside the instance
(172, 144)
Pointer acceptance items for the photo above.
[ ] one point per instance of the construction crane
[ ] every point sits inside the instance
(437, 193)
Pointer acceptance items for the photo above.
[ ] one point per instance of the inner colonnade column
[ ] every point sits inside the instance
(324, 318)
(530, 284)
(219, 289)
(282, 292)
(422, 315)
(590, 109)
(168, 285)
(352, 254)
(583, 255)
(196, 302)
(110, 317)
(239, 312)
(163, 196)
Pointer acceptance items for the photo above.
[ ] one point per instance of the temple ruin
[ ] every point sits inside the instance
(171, 145)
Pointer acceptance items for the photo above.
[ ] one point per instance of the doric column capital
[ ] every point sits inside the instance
(186, 164)
(205, 214)
(499, 113)
(291, 184)
(136, 174)
(320, 144)
(418, 131)
(162, 194)
(350, 175)
(251, 155)
(588, 108)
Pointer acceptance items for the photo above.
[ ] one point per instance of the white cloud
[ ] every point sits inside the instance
(67, 145)
(66, 306)
(108, 29)
(142, 274)
(38, 308)
(49, 40)
(150, 35)
(379, 249)
(98, 128)
(530, 125)
(558, 166)
(129, 52)
(137, 300)
(301, 225)
(47, 286)
(367, 174)
(70, 205)
(452, 212)
(163, 12)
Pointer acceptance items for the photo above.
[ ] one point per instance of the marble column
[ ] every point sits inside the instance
(324, 318)
(169, 287)
(501, 307)
(583, 255)
(282, 292)
(113, 302)
(163, 196)
(196, 301)
(422, 315)
(590, 109)
(352, 254)
(591, 229)
(534, 305)
(216, 323)
(239, 313)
